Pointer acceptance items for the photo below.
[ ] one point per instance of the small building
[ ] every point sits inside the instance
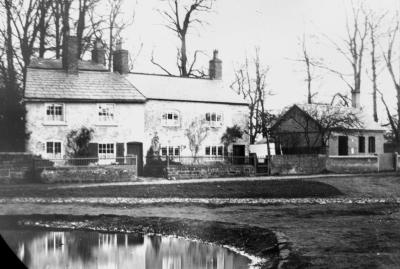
(350, 131)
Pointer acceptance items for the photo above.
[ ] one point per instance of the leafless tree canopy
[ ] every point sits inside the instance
(180, 18)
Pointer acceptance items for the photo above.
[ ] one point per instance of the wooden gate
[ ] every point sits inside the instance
(387, 162)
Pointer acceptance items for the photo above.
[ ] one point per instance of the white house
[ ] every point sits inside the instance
(173, 103)
(124, 109)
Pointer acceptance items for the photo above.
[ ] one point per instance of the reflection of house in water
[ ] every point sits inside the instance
(87, 250)
(174, 253)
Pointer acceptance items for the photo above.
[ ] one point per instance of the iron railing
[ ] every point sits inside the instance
(202, 160)
(85, 162)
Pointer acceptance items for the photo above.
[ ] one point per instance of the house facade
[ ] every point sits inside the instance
(174, 103)
(60, 99)
(298, 131)
(126, 110)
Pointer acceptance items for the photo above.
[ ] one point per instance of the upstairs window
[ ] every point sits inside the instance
(371, 144)
(55, 112)
(53, 149)
(361, 144)
(106, 113)
(213, 119)
(214, 150)
(170, 118)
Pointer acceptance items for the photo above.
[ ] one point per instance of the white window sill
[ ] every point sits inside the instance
(55, 123)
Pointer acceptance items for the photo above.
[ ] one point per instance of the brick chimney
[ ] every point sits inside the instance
(99, 53)
(120, 59)
(355, 99)
(215, 67)
(70, 55)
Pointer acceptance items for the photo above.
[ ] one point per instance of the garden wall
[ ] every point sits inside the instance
(352, 164)
(15, 167)
(297, 164)
(109, 173)
(210, 171)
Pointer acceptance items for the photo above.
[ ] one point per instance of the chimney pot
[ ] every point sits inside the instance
(120, 59)
(215, 67)
(70, 56)
(99, 53)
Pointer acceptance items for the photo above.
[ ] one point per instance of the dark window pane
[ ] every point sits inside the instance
(207, 116)
(49, 147)
(164, 151)
(57, 147)
(170, 151)
(177, 151)
(220, 150)
(361, 144)
(371, 144)
(213, 117)
(207, 150)
(214, 150)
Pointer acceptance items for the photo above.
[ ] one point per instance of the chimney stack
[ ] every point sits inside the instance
(215, 67)
(120, 59)
(70, 55)
(99, 53)
(355, 99)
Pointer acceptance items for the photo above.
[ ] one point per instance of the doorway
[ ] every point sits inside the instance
(343, 145)
(239, 153)
(136, 148)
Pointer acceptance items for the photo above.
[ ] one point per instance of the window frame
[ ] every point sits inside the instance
(106, 156)
(166, 122)
(52, 120)
(217, 121)
(53, 154)
(106, 122)
(168, 149)
(215, 148)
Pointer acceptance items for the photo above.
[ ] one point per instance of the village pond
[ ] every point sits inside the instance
(88, 249)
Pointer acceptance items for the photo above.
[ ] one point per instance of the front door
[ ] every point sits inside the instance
(343, 145)
(136, 148)
(239, 154)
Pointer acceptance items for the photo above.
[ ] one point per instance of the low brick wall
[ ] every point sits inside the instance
(210, 171)
(110, 173)
(15, 167)
(297, 164)
(352, 164)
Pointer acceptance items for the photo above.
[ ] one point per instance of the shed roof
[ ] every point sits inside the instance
(162, 87)
(57, 64)
(323, 109)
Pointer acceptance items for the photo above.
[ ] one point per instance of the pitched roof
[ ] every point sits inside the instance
(161, 87)
(323, 109)
(57, 64)
(86, 86)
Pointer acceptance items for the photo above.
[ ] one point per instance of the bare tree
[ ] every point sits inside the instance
(352, 50)
(180, 18)
(390, 64)
(252, 87)
(196, 133)
(44, 24)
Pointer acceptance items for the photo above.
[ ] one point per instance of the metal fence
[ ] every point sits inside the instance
(85, 162)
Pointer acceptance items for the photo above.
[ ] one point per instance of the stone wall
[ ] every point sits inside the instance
(297, 164)
(15, 167)
(352, 164)
(204, 171)
(111, 173)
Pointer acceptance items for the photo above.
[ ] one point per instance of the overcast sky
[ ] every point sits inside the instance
(236, 27)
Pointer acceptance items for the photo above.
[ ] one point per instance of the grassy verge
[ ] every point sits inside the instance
(234, 189)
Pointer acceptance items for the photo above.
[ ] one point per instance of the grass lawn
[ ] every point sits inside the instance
(234, 189)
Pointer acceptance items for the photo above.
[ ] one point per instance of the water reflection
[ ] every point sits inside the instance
(39, 249)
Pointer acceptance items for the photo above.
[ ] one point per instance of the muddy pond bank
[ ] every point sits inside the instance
(260, 244)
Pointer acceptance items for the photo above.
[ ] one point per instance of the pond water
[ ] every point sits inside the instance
(81, 249)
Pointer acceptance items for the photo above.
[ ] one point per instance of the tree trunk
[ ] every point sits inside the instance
(184, 72)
